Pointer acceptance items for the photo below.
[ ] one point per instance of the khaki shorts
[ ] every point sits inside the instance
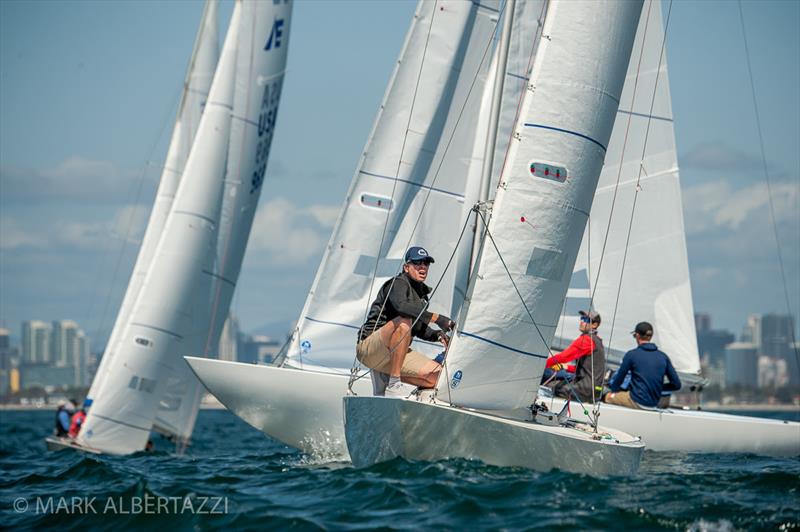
(375, 355)
(621, 399)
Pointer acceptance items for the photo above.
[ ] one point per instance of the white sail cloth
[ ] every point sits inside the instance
(171, 308)
(542, 204)
(411, 179)
(655, 283)
(197, 83)
(260, 66)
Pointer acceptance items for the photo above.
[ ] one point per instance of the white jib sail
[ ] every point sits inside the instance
(195, 91)
(655, 284)
(542, 205)
(260, 66)
(415, 160)
(172, 305)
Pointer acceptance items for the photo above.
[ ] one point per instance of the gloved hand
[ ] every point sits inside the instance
(445, 323)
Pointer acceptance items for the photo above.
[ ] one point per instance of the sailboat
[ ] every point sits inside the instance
(419, 152)
(298, 402)
(179, 297)
(633, 266)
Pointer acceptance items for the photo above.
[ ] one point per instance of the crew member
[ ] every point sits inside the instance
(587, 349)
(63, 415)
(399, 313)
(647, 367)
(78, 418)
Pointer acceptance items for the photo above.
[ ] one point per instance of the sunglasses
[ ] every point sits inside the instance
(419, 262)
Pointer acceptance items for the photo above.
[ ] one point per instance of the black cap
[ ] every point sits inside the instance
(418, 253)
(593, 316)
(643, 329)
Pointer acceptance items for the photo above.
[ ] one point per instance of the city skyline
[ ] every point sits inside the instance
(77, 192)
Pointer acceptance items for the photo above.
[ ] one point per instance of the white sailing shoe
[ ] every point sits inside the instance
(396, 390)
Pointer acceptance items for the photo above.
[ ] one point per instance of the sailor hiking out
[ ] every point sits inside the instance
(399, 313)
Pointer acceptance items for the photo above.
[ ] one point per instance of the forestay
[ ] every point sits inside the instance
(542, 205)
(655, 284)
(195, 91)
(411, 179)
(172, 306)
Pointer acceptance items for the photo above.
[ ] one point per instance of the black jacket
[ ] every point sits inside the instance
(400, 296)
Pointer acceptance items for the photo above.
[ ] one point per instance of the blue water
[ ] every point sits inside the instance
(234, 477)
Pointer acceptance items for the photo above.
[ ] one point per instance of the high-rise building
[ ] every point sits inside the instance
(702, 322)
(5, 339)
(776, 341)
(741, 365)
(64, 343)
(5, 350)
(35, 342)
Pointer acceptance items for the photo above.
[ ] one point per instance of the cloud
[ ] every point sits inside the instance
(717, 205)
(719, 156)
(288, 234)
(13, 236)
(75, 180)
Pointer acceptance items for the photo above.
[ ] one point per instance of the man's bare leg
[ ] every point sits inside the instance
(396, 336)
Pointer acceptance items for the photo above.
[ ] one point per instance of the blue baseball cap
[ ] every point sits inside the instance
(418, 253)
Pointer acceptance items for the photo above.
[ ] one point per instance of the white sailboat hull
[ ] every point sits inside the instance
(698, 431)
(380, 429)
(55, 443)
(302, 409)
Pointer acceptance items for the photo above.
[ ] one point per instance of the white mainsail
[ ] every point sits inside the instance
(542, 205)
(195, 91)
(261, 55)
(655, 285)
(171, 308)
(412, 172)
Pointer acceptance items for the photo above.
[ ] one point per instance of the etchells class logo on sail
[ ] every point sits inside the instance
(275, 35)
(456, 380)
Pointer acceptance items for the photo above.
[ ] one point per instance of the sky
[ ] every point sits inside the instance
(88, 95)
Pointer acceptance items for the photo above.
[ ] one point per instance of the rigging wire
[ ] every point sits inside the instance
(638, 187)
(767, 180)
(356, 363)
(128, 228)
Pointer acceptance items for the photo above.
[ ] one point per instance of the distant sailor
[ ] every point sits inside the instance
(399, 313)
(63, 415)
(647, 367)
(78, 418)
(590, 367)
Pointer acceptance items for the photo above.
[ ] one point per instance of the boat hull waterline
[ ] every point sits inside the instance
(696, 431)
(302, 409)
(55, 443)
(380, 429)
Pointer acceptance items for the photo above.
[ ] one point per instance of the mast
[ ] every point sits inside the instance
(494, 119)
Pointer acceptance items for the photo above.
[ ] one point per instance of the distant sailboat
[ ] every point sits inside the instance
(181, 299)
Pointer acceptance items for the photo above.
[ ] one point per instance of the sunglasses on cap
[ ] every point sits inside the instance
(586, 319)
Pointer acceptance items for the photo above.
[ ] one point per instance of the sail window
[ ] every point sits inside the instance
(376, 202)
(147, 385)
(547, 264)
(144, 342)
(134, 383)
(548, 171)
(386, 267)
